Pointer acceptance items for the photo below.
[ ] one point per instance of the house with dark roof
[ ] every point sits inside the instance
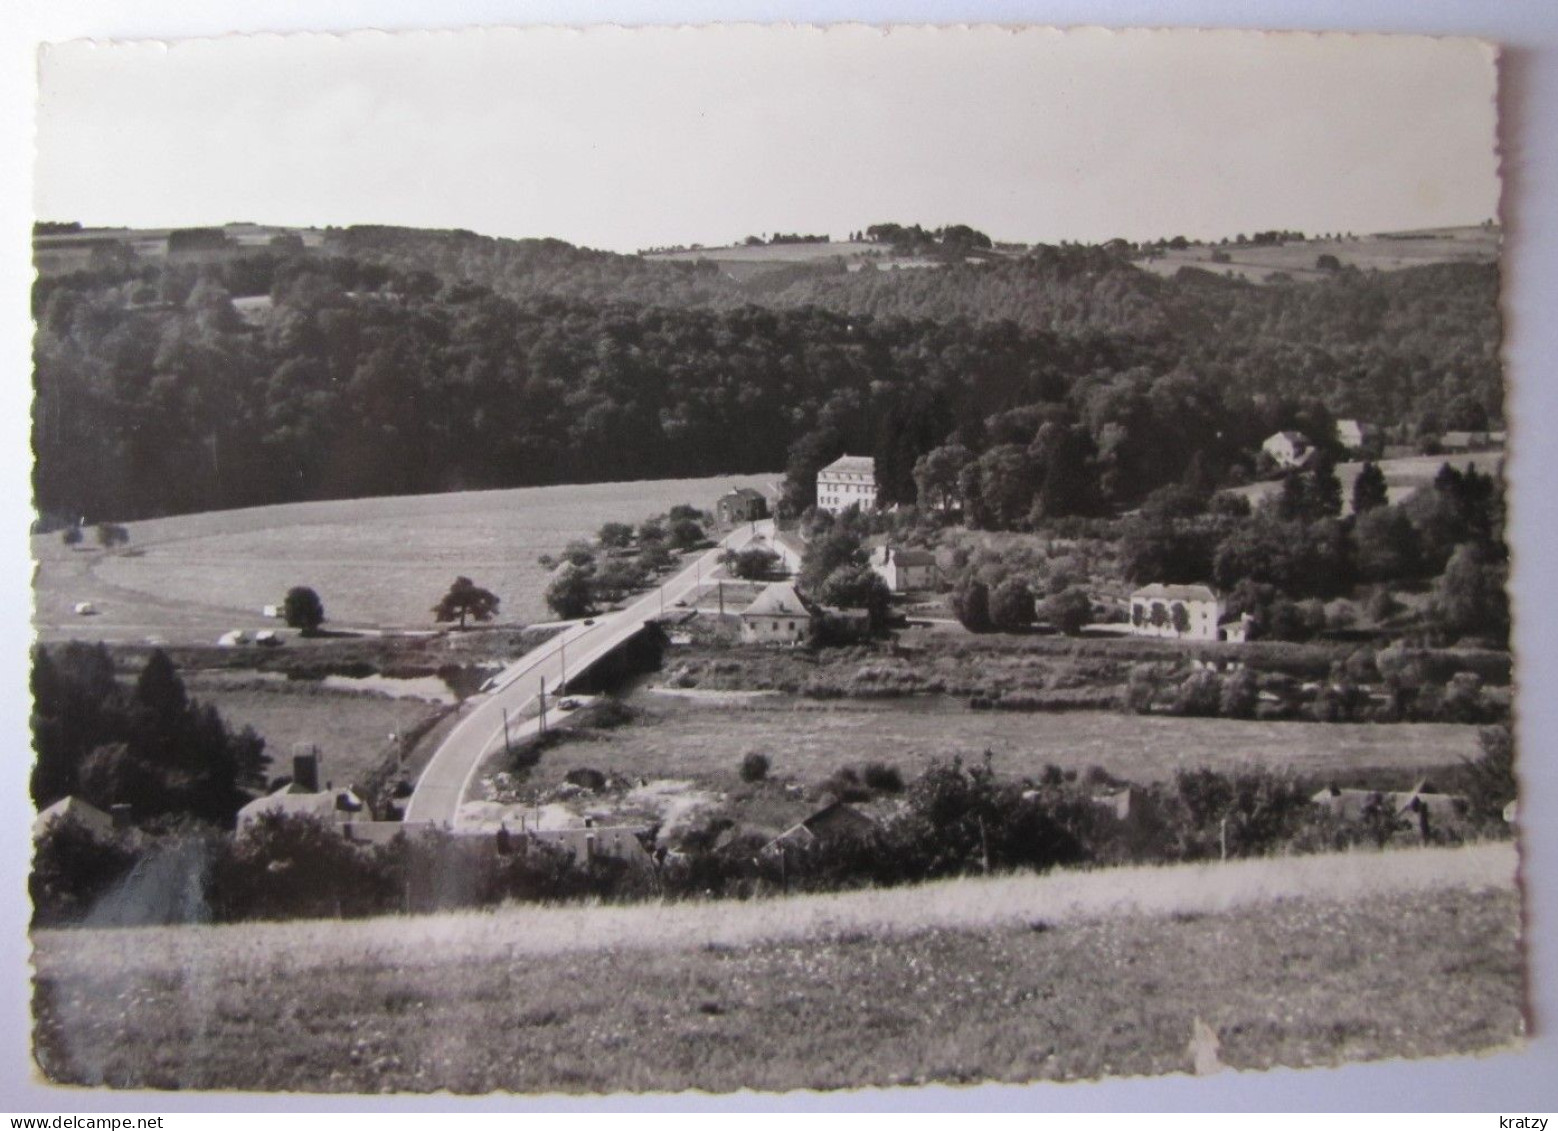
(302, 797)
(780, 615)
(744, 504)
(833, 822)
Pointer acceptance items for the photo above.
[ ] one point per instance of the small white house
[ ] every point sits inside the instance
(1288, 448)
(848, 481)
(904, 570)
(780, 615)
(1185, 612)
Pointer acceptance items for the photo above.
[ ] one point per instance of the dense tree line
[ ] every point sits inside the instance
(407, 362)
(149, 746)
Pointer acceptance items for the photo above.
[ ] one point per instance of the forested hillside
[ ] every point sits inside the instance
(408, 362)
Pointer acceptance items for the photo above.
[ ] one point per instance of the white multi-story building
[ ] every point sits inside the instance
(1189, 612)
(848, 481)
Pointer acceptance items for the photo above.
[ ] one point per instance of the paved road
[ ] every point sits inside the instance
(447, 778)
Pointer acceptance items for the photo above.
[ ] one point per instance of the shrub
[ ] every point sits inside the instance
(754, 767)
(608, 714)
(303, 609)
(1011, 605)
(1200, 695)
(1239, 696)
(971, 604)
(1069, 611)
(846, 785)
(1490, 777)
(111, 534)
(586, 778)
(882, 777)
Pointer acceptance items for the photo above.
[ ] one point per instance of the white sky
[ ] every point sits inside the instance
(624, 139)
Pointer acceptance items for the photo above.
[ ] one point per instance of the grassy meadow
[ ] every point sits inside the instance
(351, 728)
(374, 562)
(1402, 476)
(1301, 962)
(807, 741)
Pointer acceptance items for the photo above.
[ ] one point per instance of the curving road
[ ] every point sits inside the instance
(445, 781)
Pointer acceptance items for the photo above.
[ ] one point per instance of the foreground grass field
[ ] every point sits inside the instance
(380, 562)
(1303, 962)
(673, 737)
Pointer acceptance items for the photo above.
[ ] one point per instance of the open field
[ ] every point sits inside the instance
(681, 738)
(742, 262)
(378, 562)
(1072, 975)
(1402, 476)
(1367, 253)
(351, 728)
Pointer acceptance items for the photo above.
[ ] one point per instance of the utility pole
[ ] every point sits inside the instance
(721, 590)
(543, 704)
(507, 746)
(562, 684)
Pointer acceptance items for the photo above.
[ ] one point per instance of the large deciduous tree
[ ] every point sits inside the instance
(465, 599)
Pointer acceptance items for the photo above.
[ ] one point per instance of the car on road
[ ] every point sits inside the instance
(568, 705)
(86, 609)
(589, 622)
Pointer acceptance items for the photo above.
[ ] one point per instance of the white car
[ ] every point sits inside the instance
(86, 609)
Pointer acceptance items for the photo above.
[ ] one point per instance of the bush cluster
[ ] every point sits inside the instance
(953, 819)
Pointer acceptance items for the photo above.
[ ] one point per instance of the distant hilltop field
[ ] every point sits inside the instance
(65, 248)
